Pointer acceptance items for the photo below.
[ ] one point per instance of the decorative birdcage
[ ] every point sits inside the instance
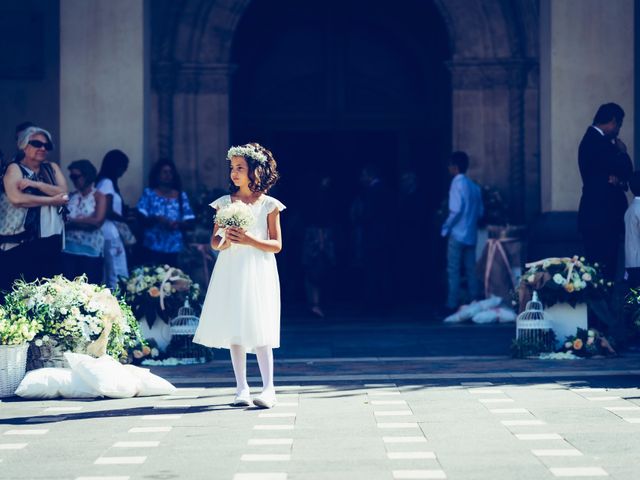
(534, 334)
(183, 327)
(185, 323)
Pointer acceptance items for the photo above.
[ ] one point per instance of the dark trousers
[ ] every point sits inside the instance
(38, 258)
(76, 265)
(602, 246)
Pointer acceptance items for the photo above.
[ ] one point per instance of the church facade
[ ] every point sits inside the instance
(512, 83)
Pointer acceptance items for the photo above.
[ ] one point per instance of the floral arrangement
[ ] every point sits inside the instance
(75, 315)
(158, 291)
(571, 280)
(588, 343)
(145, 350)
(16, 328)
(247, 151)
(235, 214)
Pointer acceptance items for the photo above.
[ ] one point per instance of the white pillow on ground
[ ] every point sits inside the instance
(104, 374)
(150, 384)
(54, 383)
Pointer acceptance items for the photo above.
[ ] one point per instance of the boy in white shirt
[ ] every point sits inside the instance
(632, 234)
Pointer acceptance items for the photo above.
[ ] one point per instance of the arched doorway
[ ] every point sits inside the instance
(331, 86)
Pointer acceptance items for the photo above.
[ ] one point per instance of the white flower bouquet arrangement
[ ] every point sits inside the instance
(158, 290)
(571, 280)
(16, 328)
(235, 214)
(74, 316)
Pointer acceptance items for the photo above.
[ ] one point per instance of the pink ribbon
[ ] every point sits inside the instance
(493, 245)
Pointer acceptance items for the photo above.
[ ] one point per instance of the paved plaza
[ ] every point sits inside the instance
(362, 416)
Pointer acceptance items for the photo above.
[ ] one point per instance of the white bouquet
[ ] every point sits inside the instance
(235, 214)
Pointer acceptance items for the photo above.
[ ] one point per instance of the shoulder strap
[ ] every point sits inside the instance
(47, 169)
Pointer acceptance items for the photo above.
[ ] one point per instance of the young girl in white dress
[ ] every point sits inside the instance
(241, 311)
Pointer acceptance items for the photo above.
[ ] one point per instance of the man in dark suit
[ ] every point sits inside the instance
(605, 168)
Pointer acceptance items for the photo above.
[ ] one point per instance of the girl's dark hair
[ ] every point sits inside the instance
(113, 163)
(262, 176)
(154, 174)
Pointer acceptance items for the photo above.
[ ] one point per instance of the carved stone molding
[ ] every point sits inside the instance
(192, 77)
(480, 74)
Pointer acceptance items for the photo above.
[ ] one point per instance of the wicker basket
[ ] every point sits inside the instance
(13, 363)
(45, 356)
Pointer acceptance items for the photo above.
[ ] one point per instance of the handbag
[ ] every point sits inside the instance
(127, 236)
(11, 218)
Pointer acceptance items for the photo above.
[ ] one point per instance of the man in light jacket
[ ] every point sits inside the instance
(461, 226)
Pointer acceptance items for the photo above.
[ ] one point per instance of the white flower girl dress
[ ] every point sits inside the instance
(242, 306)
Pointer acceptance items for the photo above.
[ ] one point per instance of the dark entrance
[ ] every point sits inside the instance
(332, 85)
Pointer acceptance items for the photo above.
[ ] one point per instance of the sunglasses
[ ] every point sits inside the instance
(38, 144)
(75, 176)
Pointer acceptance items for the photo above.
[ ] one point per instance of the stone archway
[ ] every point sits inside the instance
(494, 67)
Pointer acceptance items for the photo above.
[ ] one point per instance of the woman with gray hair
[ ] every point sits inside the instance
(31, 227)
(84, 242)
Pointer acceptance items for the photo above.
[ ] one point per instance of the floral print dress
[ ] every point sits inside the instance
(159, 238)
(89, 243)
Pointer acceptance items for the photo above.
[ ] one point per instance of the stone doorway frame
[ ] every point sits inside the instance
(495, 97)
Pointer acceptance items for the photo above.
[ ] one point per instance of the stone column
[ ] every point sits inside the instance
(586, 59)
(104, 84)
(201, 123)
(488, 123)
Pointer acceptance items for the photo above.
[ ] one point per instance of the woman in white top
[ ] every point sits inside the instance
(84, 243)
(114, 164)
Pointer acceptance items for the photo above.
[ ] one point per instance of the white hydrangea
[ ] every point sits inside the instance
(235, 214)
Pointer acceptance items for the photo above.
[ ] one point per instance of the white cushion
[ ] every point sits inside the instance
(104, 374)
(53, 383)
(150, 384)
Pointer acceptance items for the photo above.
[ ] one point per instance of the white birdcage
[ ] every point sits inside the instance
(185, 323)
(183, 327)
(533, 330)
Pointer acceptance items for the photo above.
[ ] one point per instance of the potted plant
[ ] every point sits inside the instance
(16, 331)
(565, 286)
(155, 294)
(75, 316)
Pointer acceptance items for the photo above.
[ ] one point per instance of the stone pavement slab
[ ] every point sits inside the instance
(334, 432)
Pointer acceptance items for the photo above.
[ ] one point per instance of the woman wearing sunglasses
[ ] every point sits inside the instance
(31, 225)
(84, 242)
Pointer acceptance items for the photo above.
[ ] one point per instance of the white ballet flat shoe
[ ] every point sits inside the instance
(265, 400)
(242, 400)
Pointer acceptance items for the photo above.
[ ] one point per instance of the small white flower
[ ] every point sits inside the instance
(531, 278)
(38, 343)
(559, 279)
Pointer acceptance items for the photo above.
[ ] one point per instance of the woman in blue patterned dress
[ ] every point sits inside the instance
(166, 211)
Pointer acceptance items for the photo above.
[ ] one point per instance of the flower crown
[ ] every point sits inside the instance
(247, 151)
